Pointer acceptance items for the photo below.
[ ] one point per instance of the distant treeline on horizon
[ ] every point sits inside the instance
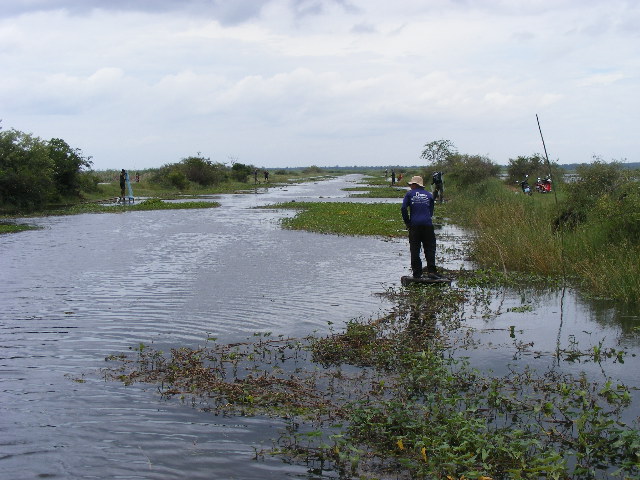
(569, 167)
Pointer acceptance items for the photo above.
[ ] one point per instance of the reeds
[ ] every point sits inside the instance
(516, 232)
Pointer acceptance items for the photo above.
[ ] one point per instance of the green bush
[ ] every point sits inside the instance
(178, 180)
(241, 172)
(202, 171)
(67, 164)
(462, 170)
(313, 169)
(606, 197)
(26, 171)
(34, 172)
(535, 166)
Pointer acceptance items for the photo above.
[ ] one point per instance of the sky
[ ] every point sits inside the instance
(139, 84)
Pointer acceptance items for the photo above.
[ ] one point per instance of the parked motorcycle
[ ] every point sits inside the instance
(543, 186)
(526, 189)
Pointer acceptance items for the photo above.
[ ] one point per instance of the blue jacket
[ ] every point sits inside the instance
(417, 207)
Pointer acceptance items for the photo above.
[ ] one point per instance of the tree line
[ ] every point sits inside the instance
(36, 172)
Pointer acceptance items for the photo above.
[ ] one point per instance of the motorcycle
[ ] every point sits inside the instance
(526, 189)
(543, 186)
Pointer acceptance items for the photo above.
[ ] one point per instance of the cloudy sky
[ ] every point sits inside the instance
(276, 83)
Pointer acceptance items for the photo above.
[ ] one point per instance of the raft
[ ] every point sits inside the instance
(407, 280)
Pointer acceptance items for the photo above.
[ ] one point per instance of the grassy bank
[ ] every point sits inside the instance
(103, 198)
(515, 232)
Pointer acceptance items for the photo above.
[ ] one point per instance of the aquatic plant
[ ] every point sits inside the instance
(15, 228)
(396, 395)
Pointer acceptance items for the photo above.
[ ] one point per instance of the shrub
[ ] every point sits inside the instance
(535, 166)
(67, 164)
(178, 180)
(241, 172)
(26, 171)
(465, 170)
(600, 190)
(313, 169)
(202, 171)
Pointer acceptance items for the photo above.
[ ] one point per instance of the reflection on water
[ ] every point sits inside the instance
(87, 286)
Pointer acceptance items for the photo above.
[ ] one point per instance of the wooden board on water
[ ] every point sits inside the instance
(406, 281)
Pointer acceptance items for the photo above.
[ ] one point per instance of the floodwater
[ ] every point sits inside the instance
(88, 286)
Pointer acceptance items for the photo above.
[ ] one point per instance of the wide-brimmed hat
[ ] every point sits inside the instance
(417, 180)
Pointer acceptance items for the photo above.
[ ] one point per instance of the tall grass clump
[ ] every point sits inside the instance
(512, 232)
(592, 234)
(601, 222)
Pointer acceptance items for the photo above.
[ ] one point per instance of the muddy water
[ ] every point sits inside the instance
(88, 286)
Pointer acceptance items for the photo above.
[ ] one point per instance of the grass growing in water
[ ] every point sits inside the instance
(15, 228)
(395, 396)
(343, 218)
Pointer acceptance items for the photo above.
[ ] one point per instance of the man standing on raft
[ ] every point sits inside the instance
(417, 210)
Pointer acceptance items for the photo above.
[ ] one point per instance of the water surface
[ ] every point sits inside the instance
(88, 286)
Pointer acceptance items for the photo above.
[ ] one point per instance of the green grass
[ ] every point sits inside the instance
(15, 228)
(377, 192)
(150, 204)
(515, 233)
(76, 209)
(342, 218)
(147, 189)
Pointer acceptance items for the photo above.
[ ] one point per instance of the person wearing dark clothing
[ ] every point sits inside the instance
(438, 191)
(266, 175)
(393, 177)
(123, 183)
(417, 211)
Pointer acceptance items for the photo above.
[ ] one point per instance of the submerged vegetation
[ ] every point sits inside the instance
(396, 396)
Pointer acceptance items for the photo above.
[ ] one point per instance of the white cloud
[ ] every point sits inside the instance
(281, 82)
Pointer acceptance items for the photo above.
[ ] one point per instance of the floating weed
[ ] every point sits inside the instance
(149, 204)
(16, 227)
(343, 218)
(393, 396)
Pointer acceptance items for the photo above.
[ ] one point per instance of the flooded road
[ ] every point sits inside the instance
(88, 286)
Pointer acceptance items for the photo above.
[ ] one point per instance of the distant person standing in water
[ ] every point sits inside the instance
(417, 212)
(123, 183)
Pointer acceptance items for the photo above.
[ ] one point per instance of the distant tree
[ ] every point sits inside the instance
(26, 171)
(535, 166)
(438, 151)
(177, 179)
(202, 171)
(312, 169)
(68, 163)
(241, 172)
(466, 170)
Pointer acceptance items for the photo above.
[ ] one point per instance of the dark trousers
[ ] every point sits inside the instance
(422, 236)
(438, 192)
